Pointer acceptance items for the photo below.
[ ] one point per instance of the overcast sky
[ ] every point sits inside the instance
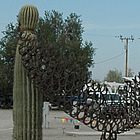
(103, 21)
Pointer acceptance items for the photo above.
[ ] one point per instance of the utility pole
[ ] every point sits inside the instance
(126, 51)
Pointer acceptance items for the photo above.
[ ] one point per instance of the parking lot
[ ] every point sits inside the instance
(59, 127)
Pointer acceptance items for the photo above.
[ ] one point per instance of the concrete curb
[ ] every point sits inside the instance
(83, 133)
(95, 133)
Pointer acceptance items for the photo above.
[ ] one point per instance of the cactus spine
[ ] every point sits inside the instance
(27, 108)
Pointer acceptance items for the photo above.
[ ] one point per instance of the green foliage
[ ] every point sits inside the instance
(114, 76)
(52, 29)
(8, 45)
(7, 56)
(66, 34)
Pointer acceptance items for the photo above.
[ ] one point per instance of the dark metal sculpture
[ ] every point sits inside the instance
(65, 84)
(111, 113)
(54, 75)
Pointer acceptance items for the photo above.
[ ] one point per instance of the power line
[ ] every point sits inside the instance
(100, 35)
(110, 58)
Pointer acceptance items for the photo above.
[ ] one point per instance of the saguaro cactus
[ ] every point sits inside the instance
(27, 109)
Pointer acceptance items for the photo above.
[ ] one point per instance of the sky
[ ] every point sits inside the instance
(103, 21)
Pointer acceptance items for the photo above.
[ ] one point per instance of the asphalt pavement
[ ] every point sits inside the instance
(60, 126)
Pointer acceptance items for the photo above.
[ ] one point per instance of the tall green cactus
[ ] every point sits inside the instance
(28, 17)
(27, 108)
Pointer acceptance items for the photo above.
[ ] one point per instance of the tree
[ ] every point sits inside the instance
(67, 36)
(130, 73)
(114, 76)
(7, 54)
(52, 30)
